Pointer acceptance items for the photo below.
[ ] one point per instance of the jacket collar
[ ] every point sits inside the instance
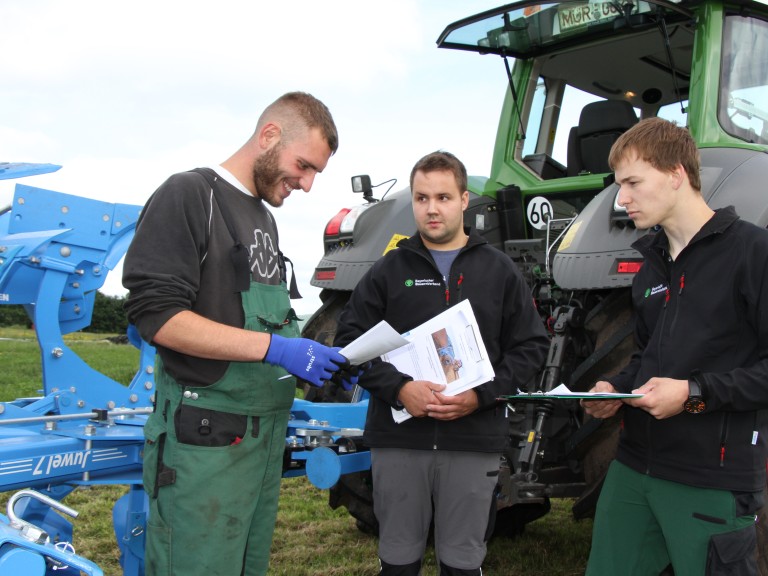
(658, 242)
(416, 243)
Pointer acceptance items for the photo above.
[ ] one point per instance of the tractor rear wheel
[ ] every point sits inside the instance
(609, 327)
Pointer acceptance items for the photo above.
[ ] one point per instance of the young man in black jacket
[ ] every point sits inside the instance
(690, 468)
(448, 453)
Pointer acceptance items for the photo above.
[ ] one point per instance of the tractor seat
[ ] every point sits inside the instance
(600, 125)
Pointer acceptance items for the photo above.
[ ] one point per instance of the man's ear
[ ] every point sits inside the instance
(679, 175)
(464, 199)
(269, 135)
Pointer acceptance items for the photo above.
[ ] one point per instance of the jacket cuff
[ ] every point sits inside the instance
(485, 397)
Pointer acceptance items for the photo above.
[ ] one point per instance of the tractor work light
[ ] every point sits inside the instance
(362, 184)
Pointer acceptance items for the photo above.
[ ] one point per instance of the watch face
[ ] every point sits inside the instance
(694, 405)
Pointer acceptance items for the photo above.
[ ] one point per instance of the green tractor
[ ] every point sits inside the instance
(579, 74)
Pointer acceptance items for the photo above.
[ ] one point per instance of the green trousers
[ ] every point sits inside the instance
(643, 524)
(213, 460)
(223, 501)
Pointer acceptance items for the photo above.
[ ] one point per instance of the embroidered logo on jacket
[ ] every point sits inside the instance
(655, 290)
(421, 282)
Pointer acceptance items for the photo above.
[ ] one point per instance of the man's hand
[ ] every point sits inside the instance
(451, 407)
(602, 408)
(415, 395)
(304, 358)
(663, 397)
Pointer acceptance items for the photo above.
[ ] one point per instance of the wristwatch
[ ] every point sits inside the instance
(695, 403)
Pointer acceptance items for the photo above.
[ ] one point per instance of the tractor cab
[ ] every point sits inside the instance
(585, 72)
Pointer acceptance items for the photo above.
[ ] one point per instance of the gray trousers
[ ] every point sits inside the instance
(407, 484)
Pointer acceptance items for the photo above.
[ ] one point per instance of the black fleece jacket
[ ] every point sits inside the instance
(179, 259)
(703, 315)
(405, 288)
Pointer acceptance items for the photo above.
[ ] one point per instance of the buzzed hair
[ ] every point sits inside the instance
(295, 111)
(661, 143)
(441, 161)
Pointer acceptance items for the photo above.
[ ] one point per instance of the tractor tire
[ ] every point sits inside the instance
(609, 326)
(602, 348)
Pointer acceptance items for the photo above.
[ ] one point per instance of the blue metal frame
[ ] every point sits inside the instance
(87, 429)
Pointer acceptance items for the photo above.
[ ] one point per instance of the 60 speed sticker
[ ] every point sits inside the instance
(539, 212)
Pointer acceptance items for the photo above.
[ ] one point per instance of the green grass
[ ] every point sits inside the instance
(310, 539)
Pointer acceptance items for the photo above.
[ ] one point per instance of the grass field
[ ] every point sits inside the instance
(310, 538)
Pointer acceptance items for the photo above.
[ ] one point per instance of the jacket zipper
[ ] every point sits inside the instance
(446, 284)
(723, 437)
(678, 303)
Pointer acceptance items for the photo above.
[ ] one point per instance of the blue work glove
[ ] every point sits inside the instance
(350, 382)
(304, 358)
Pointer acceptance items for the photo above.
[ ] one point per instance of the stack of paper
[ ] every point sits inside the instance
(447, 349)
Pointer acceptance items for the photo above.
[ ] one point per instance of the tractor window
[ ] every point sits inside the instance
(674, 113)
(744, 79)
(534, 118)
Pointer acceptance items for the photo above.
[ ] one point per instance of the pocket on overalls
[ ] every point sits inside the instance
(154, 437)
(205, 427)
(732, 553)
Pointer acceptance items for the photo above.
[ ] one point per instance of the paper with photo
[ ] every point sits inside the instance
(448, 349)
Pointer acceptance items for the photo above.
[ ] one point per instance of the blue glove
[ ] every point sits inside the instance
(349, 383)
(348, 375)
(304, 358)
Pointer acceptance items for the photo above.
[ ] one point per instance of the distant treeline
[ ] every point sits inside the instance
(108, 315)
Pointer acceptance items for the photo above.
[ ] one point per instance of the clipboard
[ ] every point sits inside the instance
(562, 392)
(539, 396)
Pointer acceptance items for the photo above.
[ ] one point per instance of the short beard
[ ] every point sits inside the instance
(266, 177)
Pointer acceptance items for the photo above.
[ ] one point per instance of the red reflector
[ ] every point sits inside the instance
(629, 267)
(332, 228)
(325, 274)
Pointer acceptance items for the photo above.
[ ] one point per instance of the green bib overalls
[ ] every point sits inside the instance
(213, 459)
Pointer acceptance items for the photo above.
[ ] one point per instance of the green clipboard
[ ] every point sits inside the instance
(534, 396)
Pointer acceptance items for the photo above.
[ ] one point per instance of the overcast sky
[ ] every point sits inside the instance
(124, 94)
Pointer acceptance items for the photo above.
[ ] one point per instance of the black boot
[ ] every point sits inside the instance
(400, 569)
(449, 571)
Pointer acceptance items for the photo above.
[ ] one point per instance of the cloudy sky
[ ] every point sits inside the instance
(122, 94)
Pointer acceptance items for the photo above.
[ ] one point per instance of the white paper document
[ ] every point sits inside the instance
(377, 341)
(448, 349)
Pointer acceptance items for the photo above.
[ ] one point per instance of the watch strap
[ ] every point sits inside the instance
(694, 388)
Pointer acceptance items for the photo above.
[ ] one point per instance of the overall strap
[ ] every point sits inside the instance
(239, 254)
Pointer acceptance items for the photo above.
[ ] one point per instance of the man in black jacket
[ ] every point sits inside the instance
(690, 468)
(448, 453)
